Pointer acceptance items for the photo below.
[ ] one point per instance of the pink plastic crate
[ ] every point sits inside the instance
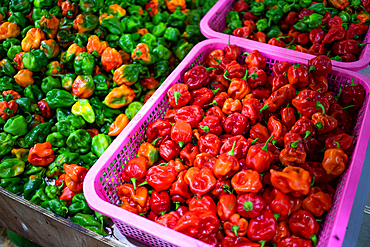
(101, 182)
(214, 22)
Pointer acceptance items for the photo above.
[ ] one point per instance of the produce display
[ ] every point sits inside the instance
(73, 74)
(333, 28)
(245, 155)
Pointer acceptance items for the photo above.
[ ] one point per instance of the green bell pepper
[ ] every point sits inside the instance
(172, 34)
(7, 68)
(65, 157)
(127, 43)
(88, 160)
(161, 17)
(40, 195)
(100, 143)
(159, 29)
(49, 83)
(14, 185)
(79, 204)
(7, 142)
(182, 48)
(112, 24)
(178, 19)
(59, 207)
(161, 68)
(84, 64)
(304, 3)
(133, 108)
(274, 15)
(355, 3)
(301, 27)
(19, 19)
(79, 141)
(83, 108)
(346, 17)
(257, 8)
(33, 170)
(56, 11)
(318, 8)
(14, 50)
(313, 21)
(132, 23)
(23, 6)
(7, 83)
(274, 32)
(35, 60)
(9, 42)
(262, 24)
(53, 191)
(59, 98)
(149, 39)
(56, 139)
(11, 167)
(16, 125)
(38, 13)
(101, 84)
(47, 4)
(38, 134)
(62, 114)
(70, 125)
(32, 185)
(270, 3)
(33, 93)
(193, 34)
(88, 221)
(25, 105)
(91, 6)
(67, 81)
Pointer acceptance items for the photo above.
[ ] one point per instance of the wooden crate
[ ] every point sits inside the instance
(44, 227)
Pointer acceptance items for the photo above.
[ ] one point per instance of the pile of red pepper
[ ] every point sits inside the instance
(334, 28)
(243, 158)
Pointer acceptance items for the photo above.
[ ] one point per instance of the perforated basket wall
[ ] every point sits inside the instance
(215, 21)
(105, 176)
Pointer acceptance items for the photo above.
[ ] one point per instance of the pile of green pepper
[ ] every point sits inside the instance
(73, 74)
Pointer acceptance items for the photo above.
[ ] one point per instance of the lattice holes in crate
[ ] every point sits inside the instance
(218, 23)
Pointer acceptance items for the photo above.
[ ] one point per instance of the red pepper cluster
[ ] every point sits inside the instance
(243, 158)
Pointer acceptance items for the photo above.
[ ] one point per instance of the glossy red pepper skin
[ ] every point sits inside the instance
(158, 128)
(279, 81)
(250, 205)
(280, 97)
(302, 126)
(209, 143)
(259, 159)
(352, 94)
(189, 153)
(205, 203)
(161, 177)
(259, 131)
(320, 65)
(334, 21)
(45, 109)
(179, 189)
(136, 170)
(298, 75)
(196, 78)
(288, 117)
(305, 12)
(201, 97)
(204, 160)
(68, 194)
(280, 68)
(178, 95)
(240, 6)
(210, 124)
(255, 59)
(344, 140)
(235, 70)
(277, 201)
(169, 149)
(232, 52)
(294, 241)
(241, 146)
(181, 133)
(316, 35)
(257, 79)
(200, 181)
(312, 148)
(276, 129)
(225, 166)
(291, 18)
(160, 202)
(191, 114)
(263, 227)
(236, 124)
(226, 206)
(251, 109)
(168, 220)
(318, 49)
(349, 46)
(335, 33)
(306, 103)
(303, 224)
(276, 42)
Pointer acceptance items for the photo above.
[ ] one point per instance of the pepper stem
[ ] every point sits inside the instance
(245, 77)
(352, 83)
(307, 134)
(177, 96)
(231, 152)
(213, 103)
(143, 183)
(313, 238)
(228, 42)
(319, 105)
(226, 188)
(163, 164)
(337, 97)
(155, 141)
(321, 150)
(265, 107)
(253, 75)
(235, 229)
(337, 143)
(208, 69)
(295, 144)
(181, 144)
(318, 126)
(362, 44)
(282, 37)
(290, 43)
(296, 66)
(274, 142)
(248, 206)
(246, 53)
(254, 141)
(312, 181)
(177, 205)
(267, 143)
(217, 60)
(216, 90)
(204, 128)
(262, 243)
(311, 69)
(277, 216)
(347, 107)
(133, 180)
(226, 73)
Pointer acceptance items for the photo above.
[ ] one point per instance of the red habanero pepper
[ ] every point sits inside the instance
(334, 21)
(348, 57)
(352, 94)
(221, 68)
(357, 29)
(204, 160)
(196, 77)
(317, 172)
(160, 202)
(217, 75)
(335, 33)
(305, 12)
(75, 175)
(313, 149)
(317, 202)
(217, 88)
(170, 116)
(231, 105)
(176, 164)
(304, 127)
(160, 177)
(282, 232)
(45, 109)
(301, 49)
(243, 32)
(136, 201)
(288, 117)
(316, 35)
(226, 164)
(221, 187)
(320, 65)
(93, 132)
(189, 224)
(277, 42)
(169, 149)
(294, 151)
(178, 95)
(8, 109)
(159, 130)
(250, 16)
(214, 58)
(318, 83)
(335, 161)
(241, 146)
(240, 6)
(259, 132)
(344, 140)
(323, 123)
(220, 99)
(210, 143)
(260, 37)
(203, 203)
(280, 97)
(191, 114)
(255, 59)
(298, 75)
(277, 201)
(277, 129)
(181, 133)
(238, 89)
(250, 205)
(226, 206)
(257, 77)
(60, 182)
(251, 109)
(291, 18)
(259, 158)
(41, 154)
(303, 224)
(188, 154)
(294, 241)
(307, 102)
(210, 124)
(232, 51)
(246, 181)
(236, 226)
(318, 49)
(201, 97)
(349, 46)
(236, 124)
(168, 220)
(68, 194)
(238, 242)
(200, 181)
(180, 189)
(291, 179)
(262, 228)
(280, 68)
(135, 170)
(279, 81)
(235, 70)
